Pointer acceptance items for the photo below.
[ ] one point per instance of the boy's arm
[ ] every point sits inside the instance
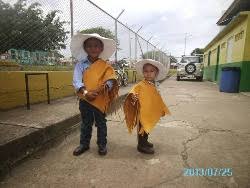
(77, 77)
(78, 83)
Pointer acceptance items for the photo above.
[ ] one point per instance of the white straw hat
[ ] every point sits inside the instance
(162, 69)
(79, 53)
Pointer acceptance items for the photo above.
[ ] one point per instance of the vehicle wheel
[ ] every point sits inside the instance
(199, 78)
(178, 78)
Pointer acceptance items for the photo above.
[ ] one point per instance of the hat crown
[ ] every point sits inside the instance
(162, 69)
(79, 53)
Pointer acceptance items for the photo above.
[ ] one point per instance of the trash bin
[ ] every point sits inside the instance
(230, 79)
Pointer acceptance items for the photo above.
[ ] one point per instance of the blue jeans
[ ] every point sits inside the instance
(91, 114)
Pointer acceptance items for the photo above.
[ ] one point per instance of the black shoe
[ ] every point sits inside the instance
(102, 150)
(149, 144)
(80, 149)
(146, 142)
(145, 149)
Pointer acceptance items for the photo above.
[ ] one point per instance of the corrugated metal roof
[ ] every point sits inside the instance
(236, 7)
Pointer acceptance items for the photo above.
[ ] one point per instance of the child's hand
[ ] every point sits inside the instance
(91, 95)
(134, 98)
(101, 89)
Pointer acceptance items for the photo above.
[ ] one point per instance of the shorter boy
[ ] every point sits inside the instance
(144, 106)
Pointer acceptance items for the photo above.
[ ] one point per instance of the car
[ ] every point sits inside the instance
(190, 67)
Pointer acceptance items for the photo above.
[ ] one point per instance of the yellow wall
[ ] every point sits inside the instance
(238, 46)
(247, 41)
(13, 91)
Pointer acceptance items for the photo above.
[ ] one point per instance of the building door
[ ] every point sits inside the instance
(217, 64)
(230, 50)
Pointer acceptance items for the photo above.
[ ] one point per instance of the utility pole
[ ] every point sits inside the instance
(116, 38)
(147, 45)
(136, 39)
(71, 17)
(185, 41)
(129, 43)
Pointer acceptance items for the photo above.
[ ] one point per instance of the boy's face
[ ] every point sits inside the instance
(93, 47)
(150, 72)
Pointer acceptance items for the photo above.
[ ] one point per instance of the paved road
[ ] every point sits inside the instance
(207, 129)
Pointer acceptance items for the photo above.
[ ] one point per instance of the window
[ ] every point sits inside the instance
(229, 50)
(223, 45)
(239, 36)
(190, 59)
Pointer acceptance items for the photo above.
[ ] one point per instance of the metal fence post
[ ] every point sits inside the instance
(71, 18)
(147, 49)
(129, 47)
(116, 40)
(135, 46)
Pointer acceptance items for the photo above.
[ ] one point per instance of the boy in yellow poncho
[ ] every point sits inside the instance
(96, 86)
(144, 106)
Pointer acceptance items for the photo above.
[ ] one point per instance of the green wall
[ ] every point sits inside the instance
(210, 73)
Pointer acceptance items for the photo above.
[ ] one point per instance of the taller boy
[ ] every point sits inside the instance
(96, 85)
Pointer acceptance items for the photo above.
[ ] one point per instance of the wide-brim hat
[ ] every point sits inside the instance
(78, 52)
(162, 69)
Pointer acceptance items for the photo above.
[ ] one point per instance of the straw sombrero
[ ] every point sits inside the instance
(79, 53)
(162, 69)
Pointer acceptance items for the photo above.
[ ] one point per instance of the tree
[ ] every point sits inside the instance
(197, 51)
(101, 31)
(26, 27)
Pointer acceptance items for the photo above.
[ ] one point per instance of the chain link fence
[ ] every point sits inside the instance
(40, 35)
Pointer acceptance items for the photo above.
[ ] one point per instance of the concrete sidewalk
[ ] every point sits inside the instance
(24, 131)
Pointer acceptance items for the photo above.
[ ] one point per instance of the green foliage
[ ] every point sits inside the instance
(101, 31)
(25, 27)
(197, 51)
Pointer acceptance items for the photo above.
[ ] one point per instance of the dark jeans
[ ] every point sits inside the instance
(91, 114)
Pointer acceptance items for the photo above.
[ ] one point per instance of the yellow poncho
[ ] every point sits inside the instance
(148, 109)
(97, 74)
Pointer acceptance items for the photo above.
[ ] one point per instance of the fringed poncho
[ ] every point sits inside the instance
(94, 77)
(147, 110)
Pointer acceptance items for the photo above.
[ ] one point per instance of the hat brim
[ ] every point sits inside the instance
(78, 51)
(162, 69)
